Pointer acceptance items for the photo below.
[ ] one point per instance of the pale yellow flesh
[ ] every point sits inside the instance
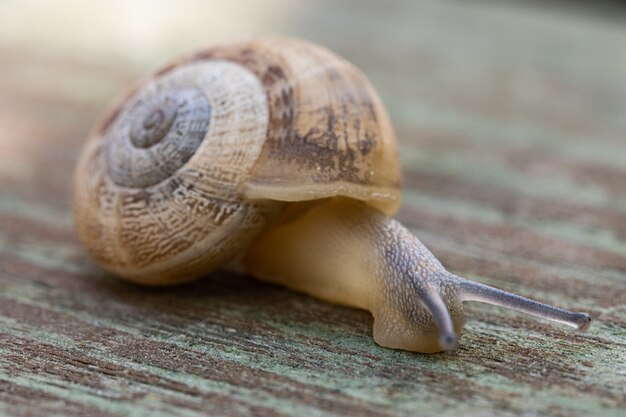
(338, 250)
(316, 254)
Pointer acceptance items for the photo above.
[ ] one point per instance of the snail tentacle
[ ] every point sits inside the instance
(431, 298)
(475, 291)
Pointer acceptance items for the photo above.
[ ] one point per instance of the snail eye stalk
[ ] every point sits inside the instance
(475, 291)
(431, 298)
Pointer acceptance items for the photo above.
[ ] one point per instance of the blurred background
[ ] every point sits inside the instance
(511, 122)
(464, 80)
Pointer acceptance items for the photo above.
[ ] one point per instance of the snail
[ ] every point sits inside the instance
(277, 156)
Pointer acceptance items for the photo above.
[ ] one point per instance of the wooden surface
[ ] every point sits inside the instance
(512, 131)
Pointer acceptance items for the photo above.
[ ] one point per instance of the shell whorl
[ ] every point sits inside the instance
(161, 130)
(157, 192)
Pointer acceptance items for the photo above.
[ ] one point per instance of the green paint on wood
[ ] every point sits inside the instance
(511, 128)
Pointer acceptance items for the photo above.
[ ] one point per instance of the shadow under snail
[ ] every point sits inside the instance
(275, 155)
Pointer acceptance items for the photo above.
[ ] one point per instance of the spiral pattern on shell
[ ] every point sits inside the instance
(162, 180)
(161, 130)
(181, 175)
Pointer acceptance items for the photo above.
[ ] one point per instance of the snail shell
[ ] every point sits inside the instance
(184, 172)
(279, 153)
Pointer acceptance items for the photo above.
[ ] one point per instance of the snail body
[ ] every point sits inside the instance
(278, 155)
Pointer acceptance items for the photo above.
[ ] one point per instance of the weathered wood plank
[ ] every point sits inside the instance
(512, 130)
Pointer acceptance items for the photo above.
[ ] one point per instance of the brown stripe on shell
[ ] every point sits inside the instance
(328, 132)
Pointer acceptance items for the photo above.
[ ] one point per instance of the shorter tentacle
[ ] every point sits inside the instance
(475, 291)
(432, 300)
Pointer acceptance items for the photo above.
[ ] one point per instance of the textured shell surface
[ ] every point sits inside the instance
(163, 210)
(185, 170)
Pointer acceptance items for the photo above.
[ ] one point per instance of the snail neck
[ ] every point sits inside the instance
(320, 248)
(346, 252)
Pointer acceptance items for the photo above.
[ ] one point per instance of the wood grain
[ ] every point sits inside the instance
(512, 136)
